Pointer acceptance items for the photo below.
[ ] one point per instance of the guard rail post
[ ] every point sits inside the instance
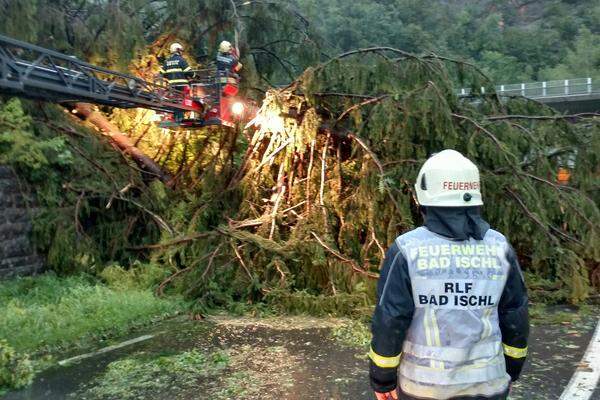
(544, 90)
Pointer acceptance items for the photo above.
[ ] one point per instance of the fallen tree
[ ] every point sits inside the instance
(325, 183)
(302, 203)
(123, 142)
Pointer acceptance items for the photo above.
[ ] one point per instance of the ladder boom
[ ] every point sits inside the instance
(31, 71)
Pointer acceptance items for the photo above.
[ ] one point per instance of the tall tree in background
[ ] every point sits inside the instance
(513, 40)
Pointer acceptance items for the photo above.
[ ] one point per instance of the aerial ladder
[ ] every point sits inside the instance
(34, 72)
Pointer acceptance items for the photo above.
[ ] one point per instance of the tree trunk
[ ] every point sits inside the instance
(86, 112)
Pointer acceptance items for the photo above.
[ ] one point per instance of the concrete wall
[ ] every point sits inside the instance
(17, 254)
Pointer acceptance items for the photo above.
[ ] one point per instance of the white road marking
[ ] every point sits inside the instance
(104, 350)
(585, 379)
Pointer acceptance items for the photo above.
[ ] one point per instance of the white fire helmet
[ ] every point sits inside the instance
(225, 47)
(175, 47)
(448, 179)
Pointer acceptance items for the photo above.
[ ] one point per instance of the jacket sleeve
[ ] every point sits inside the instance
(237, 65)
(514, 318)
(183, 64)
(391, 319)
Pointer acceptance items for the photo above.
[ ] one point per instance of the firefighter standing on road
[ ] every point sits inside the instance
(451, 316)
(177, 71)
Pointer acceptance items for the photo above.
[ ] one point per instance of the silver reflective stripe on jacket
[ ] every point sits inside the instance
(453, 354)
(454, 337)
(475, 373)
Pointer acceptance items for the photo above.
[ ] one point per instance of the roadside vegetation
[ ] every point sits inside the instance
(42, 316)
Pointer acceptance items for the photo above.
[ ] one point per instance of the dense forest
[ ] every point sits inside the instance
(294, 210)
(512, 41)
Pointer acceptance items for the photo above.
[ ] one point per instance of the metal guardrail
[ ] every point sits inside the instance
(544, 90)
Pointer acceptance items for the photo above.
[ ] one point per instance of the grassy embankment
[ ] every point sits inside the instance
(44, 315)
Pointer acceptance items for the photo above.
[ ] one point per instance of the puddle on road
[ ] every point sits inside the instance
(292, 358)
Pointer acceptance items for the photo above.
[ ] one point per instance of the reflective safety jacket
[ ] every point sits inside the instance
(227, 65)
(451, 317)
(176, 70)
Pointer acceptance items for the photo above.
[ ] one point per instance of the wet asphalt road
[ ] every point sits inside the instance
(323, 369)
(554, 353)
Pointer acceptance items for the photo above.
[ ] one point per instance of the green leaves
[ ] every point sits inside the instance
(20, 147)
(16, 371)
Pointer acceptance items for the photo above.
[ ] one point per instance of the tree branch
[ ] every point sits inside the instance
(352, 263)
(184, 239)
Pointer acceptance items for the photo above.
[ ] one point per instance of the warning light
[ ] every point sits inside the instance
(238, 108)
(563, 176)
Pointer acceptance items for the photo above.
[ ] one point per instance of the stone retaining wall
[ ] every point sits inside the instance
(17, 254)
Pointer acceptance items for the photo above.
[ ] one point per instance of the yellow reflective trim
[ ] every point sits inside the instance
(487, 325)
(187, 69)
(514, 352)
(174, 70)
(171, 81)
(428, 334)
(436, 336)
(384, 362)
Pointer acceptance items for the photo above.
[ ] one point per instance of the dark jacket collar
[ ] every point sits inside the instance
(458, 223)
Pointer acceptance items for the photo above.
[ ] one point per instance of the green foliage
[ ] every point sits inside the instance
(583, 60)
(341, 147)
(241, 372)
(276, 42)
(554, 39)
(139, 276)
(353, 333)
(16, 371)
(544, 314)
(50, 312)
(104, 32)
(356, 305)
(134, 378)
(19, 147)
(385, 113)
(82, 220)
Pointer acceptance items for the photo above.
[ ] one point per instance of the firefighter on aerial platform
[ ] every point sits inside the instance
(451, 318)
(228, 68)
(177, 72)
